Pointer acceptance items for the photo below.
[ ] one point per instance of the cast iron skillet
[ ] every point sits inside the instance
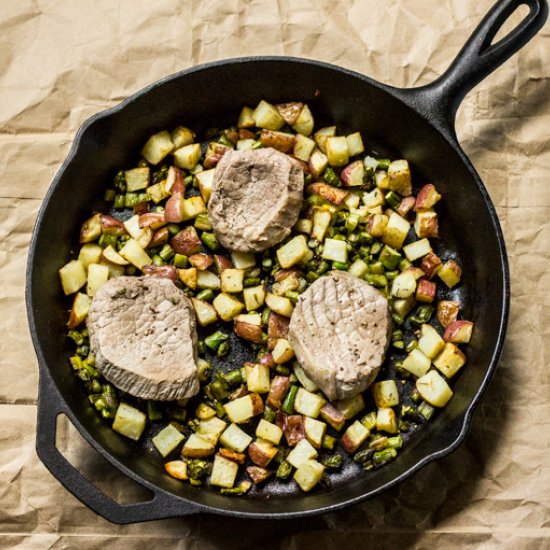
(418, 123)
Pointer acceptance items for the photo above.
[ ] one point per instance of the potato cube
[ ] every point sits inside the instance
(254, 297)
(290, 111)
(292, 252)
(157, 147)
(417, 363)
(303, 147)
(399, 175)
(224, 472)
(207, 279)
(426, 224)
(333, 416)
(181, 136)
(433, 388)
(404, 285)
(430, 342)
(177, 469)
(189, 276)
(386, 421)
(188, 156)
(97, 277)
(235, 439)
(374, 198)
(321, 222)
(403, 306)
(353, 174)
(244, 408)
(303, 226)
(377, 224)
(137, 179)
(227, 306)
(192, 207)
(304, 123)
(303, 451)
(385, 393)
(79, 310)
(381, 179)
(204, 411)
(355, 144)
(337, 150)
(257, 377)
(308, 403)
(243, 260)
(426, 291)
(417, 249)
(282, 352)
(267, 116)
(211, 429)
(133, 252)
(303, 378)
(246, 118)
(395, 231)
(315, 431)
(450, 273)
(308, 474)
(358, 268)
(450, 360)
(279, 304)
(198, 447)
(427, 197)
(73, 276)
(354, 436)
(232, 280)
(205, 312)
(335, 250)
(205, 180)
(282, 141)
(129, 421)
(351, 406)
(90, 254)
(262, 452)
(268, 431)
(459, 332)
(322, 135)
(167, 440)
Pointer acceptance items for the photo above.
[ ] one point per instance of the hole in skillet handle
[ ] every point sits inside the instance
(50, 408)
(438, 102)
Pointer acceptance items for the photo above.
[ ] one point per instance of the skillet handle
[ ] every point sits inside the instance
(162, 505)
(439, 101)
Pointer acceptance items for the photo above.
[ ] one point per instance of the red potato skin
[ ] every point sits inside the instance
(232, 135)
(429, 225)
(186, 242)
(294, 429)
(458, 332)
(290, 111)
(222, 262)
(214, 152)
(257, 404)
(173, 208)
(328, 192)
(277, 140)
(430, 265)
(160, 238)
(406, 205)
(425, 291)
(267, 360)
(252, 333)
(277, 327)
(112, 226)
(282, 274)
(258, 474)
(348, 444)
(176, 179)
(427, 197)
(246, 134)
(333, 416)
(201, 261)
(161, 271)
(447, 312)
(347, 173)
(154, 220)
(258, 456)
(277, 393)
(141, 208)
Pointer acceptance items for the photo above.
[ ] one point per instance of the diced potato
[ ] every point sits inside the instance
(433, 388)
(292, 252)
(91, 229)
(417, 363)
(211, 429)
(395, 231)
(181, 136)
(235, 439)
(244, 408)
(374, 198)
(267, 116)
(303, 378)
(205, 179)
(279, 304)
(304, 123)
(137, 179)
(303, 147)
(355, 144)
(351, 406)
(246, 144)
(205, 312)
(270, 432)
(157, 192)
(303, 451)
(354, 436)
(207, 279)
(189, 276)
(303, 226)
(282, 352)
(450, 273)
(167, 440)
(318, 162)
(249, 327)
(386, 420)
(246, 118)
(97, 277)
(315, 431)
(427, 197)
(204, 411)
(377, 224)
(224, 472)
(192, 207)
(129, 421)
(232, 280)
(426, 291)
(430, 342)
(177, 469)
(73, 276)
(385, 393)
(79, 310)
(142, 235)
(290, 111)
(282, 141)
(111, 255)
(114, 270)
(322, 135)
(447, 312)
(353, 174)
(307, 403)
(243, 260)
(254, 297)
(352, 200)
(358, 268)
(257, 378)
(426, 224)
(157, 147)
(90, 254)
(459, 332)
(333, 416)
(335, 251)
(188, 156)
(399, 174)
(227, 306)
(430, 265)
(321, 222)
(403, 306)
(337, 151)
(308, 474)
(198, 447)
(132, 252)
(262, 452)
(450, 360)
(417, 249)
(381, 179)
(404, 285)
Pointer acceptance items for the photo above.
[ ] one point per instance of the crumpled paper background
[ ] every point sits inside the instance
(61, 62)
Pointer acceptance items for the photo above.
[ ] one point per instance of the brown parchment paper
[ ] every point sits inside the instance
(61, 62)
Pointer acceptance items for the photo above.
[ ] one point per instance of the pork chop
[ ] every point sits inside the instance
(143, 335)
(340, 330)
(256, 198)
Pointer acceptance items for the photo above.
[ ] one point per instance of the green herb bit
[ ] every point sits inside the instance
(334, 462)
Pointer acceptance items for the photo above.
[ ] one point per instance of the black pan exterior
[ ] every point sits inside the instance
(212, 95)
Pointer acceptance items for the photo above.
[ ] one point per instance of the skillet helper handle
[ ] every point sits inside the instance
(162, 505)
(439, 101)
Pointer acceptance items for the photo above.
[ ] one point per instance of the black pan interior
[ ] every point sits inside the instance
(212, 96)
